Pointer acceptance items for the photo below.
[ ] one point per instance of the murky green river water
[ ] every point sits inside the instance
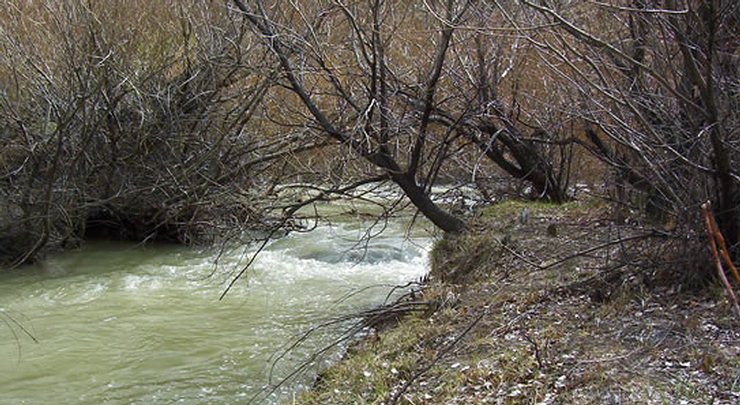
(120, 323)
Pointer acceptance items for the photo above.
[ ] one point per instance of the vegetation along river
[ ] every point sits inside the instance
(122, 323)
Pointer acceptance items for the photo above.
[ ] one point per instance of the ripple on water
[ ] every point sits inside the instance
(81, 293)
(138, 283)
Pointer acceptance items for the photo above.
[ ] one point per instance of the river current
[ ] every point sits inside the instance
(121, 323)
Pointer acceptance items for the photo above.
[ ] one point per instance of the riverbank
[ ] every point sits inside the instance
(529, 314)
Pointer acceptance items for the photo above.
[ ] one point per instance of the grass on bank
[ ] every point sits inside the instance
(510, 333)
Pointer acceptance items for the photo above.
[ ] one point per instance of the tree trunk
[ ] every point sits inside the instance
(423, 201)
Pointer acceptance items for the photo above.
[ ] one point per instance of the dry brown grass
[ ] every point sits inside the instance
(542, 337)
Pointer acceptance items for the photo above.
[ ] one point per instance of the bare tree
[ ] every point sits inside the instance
(344, 63)
(495, 96)
(658, 82)
(126, 121)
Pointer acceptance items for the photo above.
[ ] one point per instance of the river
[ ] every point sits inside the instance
(122, 323)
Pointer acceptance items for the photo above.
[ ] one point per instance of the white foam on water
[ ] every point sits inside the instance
(132, 325)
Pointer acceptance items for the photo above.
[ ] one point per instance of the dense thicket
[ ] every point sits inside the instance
(142, 120)
(122, 120)
(656, 84)
(648, 87)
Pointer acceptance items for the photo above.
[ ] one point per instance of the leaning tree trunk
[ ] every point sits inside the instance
(379, 156)
(423, 201)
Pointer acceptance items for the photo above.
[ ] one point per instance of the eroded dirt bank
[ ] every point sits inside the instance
(527, 313)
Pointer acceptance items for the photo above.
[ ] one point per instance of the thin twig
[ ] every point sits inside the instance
(394, 398)
(593, 249)
(720, 239)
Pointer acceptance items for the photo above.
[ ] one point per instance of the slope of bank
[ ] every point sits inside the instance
(527, 312)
